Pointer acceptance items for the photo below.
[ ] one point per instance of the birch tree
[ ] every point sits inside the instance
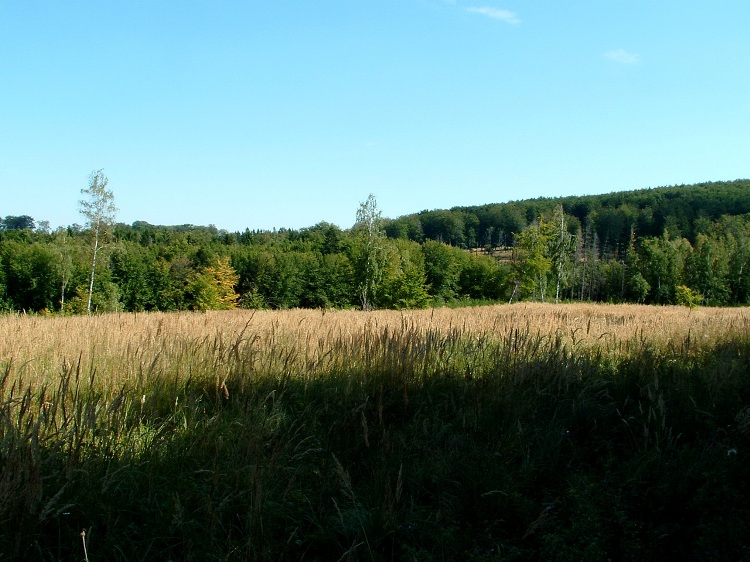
(98, 207)
(371, 254)
(61, 246)
(562, 246)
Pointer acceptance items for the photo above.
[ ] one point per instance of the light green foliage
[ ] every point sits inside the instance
(638, 287)
(106, 298)
(98, 207)
(404, 285)
(64, 250)
(253, 300)
(388, 273)
(368, 253)
(688, 297)
(533, 260)
(213, 287)
(562, 246)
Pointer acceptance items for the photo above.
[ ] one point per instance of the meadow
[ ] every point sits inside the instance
(510, 432)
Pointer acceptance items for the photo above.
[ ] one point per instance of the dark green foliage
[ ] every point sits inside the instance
(131, 265)
(664, 263)
(650, 211)
(483, 278)
(283, 279)
(23, 222)
(443, 265)
(29, 278)
(637, 246)
(444, 226)
(409, 227)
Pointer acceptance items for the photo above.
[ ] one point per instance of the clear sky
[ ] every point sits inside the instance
(260, 114)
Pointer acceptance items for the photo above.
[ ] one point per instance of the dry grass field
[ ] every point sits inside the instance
(511, 432)
(122, 347)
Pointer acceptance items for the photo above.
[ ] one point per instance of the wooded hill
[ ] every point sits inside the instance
(685, 211)
(684, 244)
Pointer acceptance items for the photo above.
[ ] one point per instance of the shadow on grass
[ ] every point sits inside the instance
(530, 452)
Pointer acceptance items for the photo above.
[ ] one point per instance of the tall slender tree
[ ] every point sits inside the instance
(62, 248)
(98, 207)
(562, 246)
(371, 255)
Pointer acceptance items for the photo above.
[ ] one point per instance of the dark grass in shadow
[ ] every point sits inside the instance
(446, 447)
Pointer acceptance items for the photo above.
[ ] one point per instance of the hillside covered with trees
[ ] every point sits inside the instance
(685, 244)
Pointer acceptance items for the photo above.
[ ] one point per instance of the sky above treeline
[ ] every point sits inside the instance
(261, 115)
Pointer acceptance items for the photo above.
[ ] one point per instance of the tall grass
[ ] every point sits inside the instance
(511, 432)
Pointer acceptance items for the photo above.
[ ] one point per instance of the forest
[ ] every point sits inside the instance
(685, 244)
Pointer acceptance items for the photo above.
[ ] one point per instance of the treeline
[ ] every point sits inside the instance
(687, 244)
(683, 210)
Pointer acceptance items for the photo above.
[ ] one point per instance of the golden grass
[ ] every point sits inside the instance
(244, 416)
(124, 347)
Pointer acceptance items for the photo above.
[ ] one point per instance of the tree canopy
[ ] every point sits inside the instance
(687, 244)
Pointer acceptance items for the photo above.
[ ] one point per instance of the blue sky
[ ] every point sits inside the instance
(259, 114)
